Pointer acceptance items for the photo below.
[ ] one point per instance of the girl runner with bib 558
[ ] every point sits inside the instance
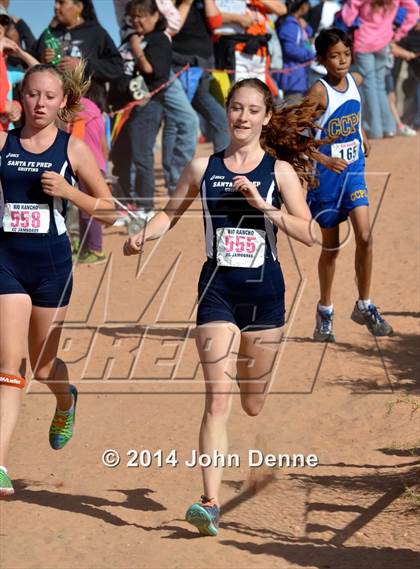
(342, 191)
(241, 289)
(38, 169)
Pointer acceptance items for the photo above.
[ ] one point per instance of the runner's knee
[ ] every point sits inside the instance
(364, 239)
(218, 404)
(252, 407)
(330, 254)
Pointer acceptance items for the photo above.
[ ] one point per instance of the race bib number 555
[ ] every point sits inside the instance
(240, 247)
(26, 218)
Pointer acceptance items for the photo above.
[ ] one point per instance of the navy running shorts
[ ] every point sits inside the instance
(252, 299)
(37, 265)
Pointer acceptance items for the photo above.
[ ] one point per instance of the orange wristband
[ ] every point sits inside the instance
(12, 380)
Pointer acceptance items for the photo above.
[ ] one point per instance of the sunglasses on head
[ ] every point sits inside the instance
(4, 20)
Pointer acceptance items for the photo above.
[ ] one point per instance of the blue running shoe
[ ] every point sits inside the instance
(204, 518)
(324, 326)
(62, 426)
(372, 319)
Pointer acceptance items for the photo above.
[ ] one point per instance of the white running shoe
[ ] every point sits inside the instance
(324, 326)
(405, 130)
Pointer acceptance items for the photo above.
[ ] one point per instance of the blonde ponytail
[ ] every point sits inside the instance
(75, 86)
(74, 83)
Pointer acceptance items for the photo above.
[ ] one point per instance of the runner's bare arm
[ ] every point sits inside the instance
(318, 95)
(275, 7)
(98, 202)
(3, 136)
(296, 222)
(186, 191)
(357, 77)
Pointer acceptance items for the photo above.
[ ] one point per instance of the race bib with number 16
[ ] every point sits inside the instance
(348, 151)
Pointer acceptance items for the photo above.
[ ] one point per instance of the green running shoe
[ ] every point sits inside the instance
(91, 258)
(204, 518)
(62, 426)
(6, 486)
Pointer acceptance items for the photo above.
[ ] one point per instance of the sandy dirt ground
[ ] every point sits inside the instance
(128, 341)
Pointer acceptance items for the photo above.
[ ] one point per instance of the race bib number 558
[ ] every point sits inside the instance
(240, 247)
(26, 218)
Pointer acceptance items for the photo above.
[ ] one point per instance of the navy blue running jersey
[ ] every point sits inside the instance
(241, 281)
(24, 207)
(229, 217)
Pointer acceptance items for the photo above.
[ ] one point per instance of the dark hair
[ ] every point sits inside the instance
(88, 12)
(294, 5)
(289, 135)
(97, 95)
(329, 37)
(150, 7)
(379, 4)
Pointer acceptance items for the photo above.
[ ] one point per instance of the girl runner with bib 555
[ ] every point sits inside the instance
(241, 289)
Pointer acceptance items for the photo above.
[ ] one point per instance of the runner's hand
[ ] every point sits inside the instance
(249, 191)
(337, 165)
(55, 185)
(133, 245)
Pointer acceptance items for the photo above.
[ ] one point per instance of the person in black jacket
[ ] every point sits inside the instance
(193, 45)
(26, 37)
(82, 36)
(150, 51)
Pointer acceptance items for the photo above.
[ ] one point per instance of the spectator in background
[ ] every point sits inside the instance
(89, 126)
(242, 41)
(151, 49)
(10, 109)
(396, 53)
(81, 36)
(411, 85)
(181, 121)
(27, 38)
(320, 17)
(192, 45)
(166, 7)
(294, 35)
(371, 39)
